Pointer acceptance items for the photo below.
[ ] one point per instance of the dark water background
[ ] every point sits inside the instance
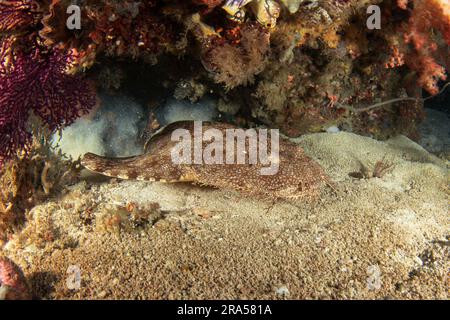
(440, 102)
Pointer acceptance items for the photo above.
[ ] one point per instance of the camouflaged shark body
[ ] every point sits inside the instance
(298, 175)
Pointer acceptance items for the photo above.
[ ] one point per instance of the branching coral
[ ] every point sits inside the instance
(38, 82)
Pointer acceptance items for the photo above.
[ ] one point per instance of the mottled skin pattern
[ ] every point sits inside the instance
(13, 285)
(298, 176)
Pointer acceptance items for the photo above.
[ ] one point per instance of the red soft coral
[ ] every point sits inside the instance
(426, 16)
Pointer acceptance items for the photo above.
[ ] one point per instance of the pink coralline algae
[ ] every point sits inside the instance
(38, 82)
(13, 285)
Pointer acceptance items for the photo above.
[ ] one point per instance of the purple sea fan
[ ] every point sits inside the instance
(37, 82)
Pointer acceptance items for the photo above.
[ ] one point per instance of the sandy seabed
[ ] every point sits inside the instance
(377, 238)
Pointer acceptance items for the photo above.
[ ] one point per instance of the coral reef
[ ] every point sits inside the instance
(297, 62)
(301, 66)
(115, 28)
(295, 65)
